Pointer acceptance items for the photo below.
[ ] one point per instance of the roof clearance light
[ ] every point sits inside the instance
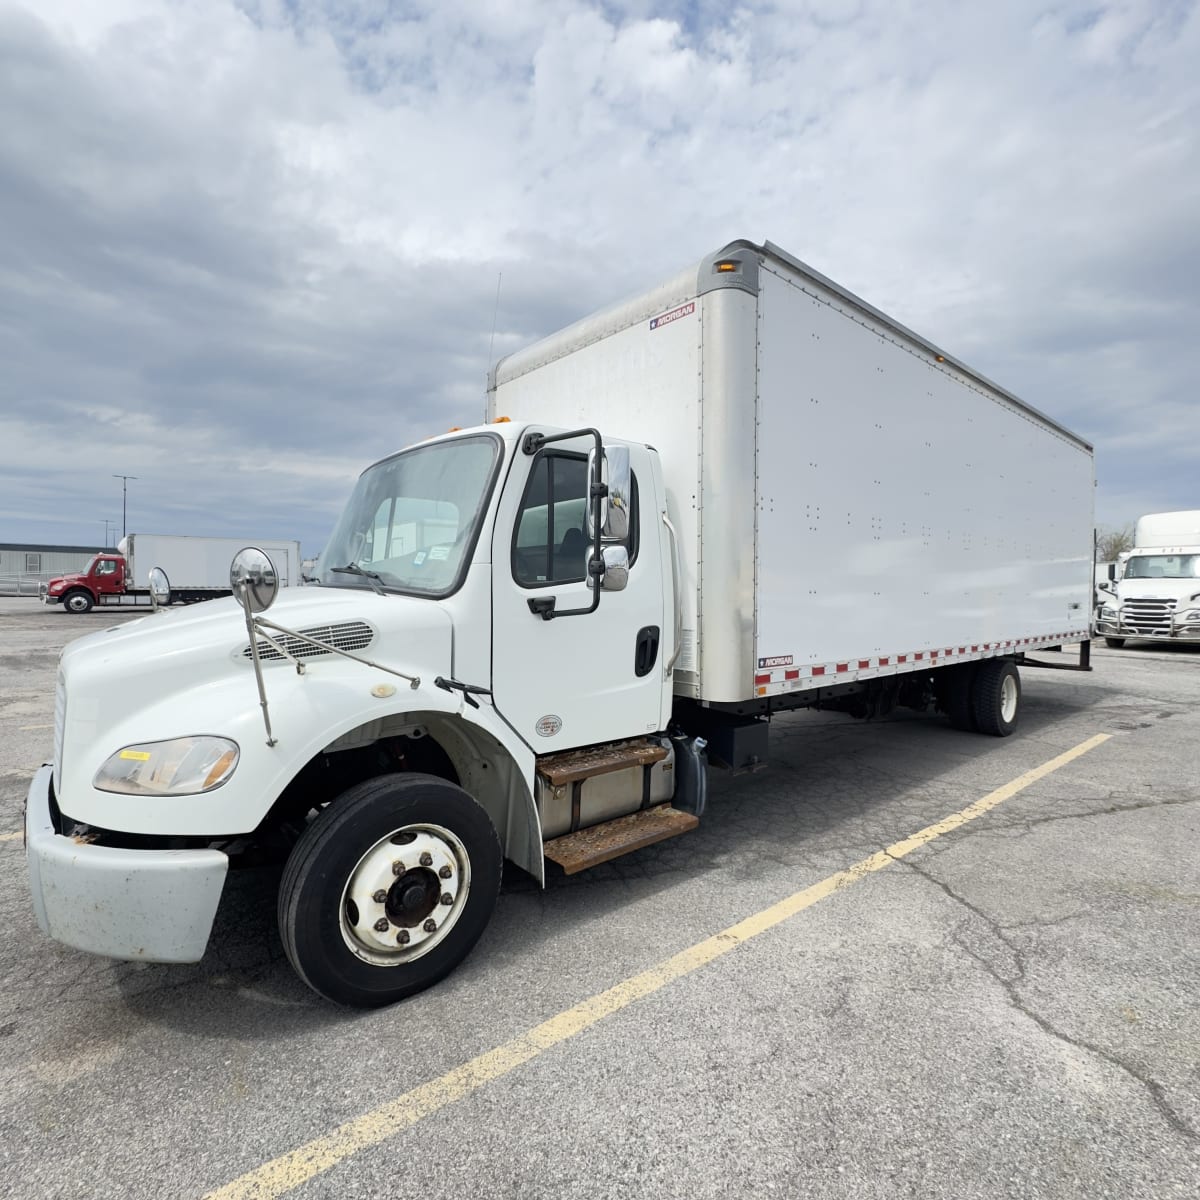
(940, 357)
(454, 429)
(727, 265)
(501, 420)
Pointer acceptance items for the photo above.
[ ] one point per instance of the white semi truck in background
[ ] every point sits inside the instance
(197, 568)
(742, 492)
(1154, 591)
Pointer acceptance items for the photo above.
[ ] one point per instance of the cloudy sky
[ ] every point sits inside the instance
(249, 246)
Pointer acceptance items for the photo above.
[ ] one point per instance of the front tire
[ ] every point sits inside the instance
(361, 924)
(77, 601)
(996, 697)
(1114, 643)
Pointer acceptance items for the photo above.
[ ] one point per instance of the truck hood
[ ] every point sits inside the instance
(203, 641)
(1157, 589)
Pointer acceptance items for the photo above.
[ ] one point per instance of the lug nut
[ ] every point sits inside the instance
(381, 925)
(403, 937)
(429, 925)
(397, 867)
(427, 859)
(446, 872)
(447, 898)
(380, 896)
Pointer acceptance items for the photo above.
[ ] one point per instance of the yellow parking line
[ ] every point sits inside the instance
(282, 1174)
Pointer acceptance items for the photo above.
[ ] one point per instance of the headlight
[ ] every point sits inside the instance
(181, 767)
(1187, 618)
(1107, 611)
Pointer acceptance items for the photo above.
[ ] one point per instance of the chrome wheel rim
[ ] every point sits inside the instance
(1008, 699)
(405, 895)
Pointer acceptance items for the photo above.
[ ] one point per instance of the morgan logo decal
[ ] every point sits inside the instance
(685, 310)
(776, 660)
(548, 725)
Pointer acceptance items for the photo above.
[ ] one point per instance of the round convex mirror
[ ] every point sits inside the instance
(160, 588)
(253, 580)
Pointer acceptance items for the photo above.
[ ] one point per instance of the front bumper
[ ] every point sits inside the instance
(45, 597)
(1175, 633)
(149, 905)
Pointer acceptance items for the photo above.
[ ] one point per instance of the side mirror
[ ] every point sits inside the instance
(616, 570)
(614, 510)
(160, 588)
(253, 580)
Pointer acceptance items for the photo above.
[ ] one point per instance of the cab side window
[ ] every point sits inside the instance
(551, 542)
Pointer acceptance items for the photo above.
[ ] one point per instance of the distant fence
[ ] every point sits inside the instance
(22, 585)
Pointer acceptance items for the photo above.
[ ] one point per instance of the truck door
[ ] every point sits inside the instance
(109, 576)
(575, 680)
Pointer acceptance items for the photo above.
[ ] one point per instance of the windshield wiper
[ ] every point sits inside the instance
(372, 577)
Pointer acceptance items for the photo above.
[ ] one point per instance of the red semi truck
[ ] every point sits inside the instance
(197, 568)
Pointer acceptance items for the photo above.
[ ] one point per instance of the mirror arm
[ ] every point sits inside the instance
(258, 676)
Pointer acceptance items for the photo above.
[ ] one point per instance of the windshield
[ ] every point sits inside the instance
(411, 520)
(1163, 566)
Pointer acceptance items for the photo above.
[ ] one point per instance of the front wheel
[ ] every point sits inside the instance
(996, 697)
(387, 891)
(77, 602)
(1114, 643)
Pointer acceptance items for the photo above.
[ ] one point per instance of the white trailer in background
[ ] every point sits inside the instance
(741, 492)
(1155, 595)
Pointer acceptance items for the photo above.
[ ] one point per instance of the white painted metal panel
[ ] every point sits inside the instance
(904, 507)
(634, 377)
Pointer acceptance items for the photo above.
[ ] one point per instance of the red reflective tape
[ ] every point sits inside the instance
(918, 657)
(818, 670)
(932, 654)
(864, 664)
(843, 667)
(762, 679)
(901, 658)
(791, 674)
(883, 662)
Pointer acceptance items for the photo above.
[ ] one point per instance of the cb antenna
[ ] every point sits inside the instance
(495, 312)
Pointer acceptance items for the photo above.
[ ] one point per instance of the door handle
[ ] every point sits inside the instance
(645, 651)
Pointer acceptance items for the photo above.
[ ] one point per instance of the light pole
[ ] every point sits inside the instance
(107, 523)
(124, 488)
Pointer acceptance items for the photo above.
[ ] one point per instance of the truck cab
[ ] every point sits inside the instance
(490, 602)
(103, 576)
(1155, 593)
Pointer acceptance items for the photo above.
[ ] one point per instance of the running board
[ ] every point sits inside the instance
(600, 843)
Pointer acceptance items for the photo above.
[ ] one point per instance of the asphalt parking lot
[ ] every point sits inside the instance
(1007, 1007)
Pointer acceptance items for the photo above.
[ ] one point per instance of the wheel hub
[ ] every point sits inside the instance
(405, 894)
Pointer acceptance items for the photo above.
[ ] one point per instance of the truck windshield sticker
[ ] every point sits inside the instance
(684, 310)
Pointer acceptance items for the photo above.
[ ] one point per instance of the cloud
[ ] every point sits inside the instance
(252, 247)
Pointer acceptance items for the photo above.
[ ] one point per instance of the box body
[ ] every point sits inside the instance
(850, 500)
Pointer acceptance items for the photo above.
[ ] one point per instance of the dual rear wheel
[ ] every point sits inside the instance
(984, 697)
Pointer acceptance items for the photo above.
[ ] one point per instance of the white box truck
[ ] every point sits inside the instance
(1155, 595)
(742, 492)
(197, 568)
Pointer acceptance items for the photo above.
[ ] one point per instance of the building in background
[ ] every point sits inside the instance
(24, 566)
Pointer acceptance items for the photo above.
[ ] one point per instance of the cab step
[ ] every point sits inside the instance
(570, 766)
(601, 843)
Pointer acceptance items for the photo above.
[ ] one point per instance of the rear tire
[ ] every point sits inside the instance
(78, 601)
(1114, 643)
(957, 702)
(433, 908)
(996, 697)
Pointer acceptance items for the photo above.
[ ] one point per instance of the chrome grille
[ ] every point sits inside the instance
(1147, 616)
(351, 635)
(60, 721)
